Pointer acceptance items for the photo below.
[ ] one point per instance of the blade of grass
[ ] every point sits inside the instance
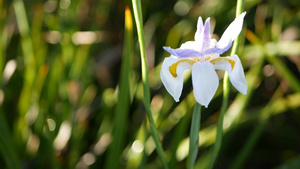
(27, 50)
(79, 62)
(7, 146)
(137, 159)
(283, 70)
(2, 41)
(226, 91)
(25, 99)
(218, 141)
(123, 98)
(137, 9)
(266, 112)
(194, 136)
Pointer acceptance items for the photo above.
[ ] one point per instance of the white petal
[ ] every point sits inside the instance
(237, 76)
(173, 84)
(197, 36)
(235, 71)
(232, 31)
(206, 38)
(195, 45)
(205, 82)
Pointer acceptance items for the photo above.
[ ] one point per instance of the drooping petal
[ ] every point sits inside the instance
(233, 66)
(197, 36)
(232, 31)
(182, 53)
(206, 35)
(172, 76)
(205, 82)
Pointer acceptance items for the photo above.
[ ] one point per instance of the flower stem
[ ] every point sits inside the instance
(137, 9)
(194, 136)
(226, 91)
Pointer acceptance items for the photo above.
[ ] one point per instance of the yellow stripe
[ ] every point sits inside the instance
(232, 62)
(173, 67)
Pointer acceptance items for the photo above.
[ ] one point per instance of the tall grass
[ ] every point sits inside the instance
(80, 86)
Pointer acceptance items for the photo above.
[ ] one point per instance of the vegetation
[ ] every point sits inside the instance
(75, 93)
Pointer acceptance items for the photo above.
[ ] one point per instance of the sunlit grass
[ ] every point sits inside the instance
(71, 92)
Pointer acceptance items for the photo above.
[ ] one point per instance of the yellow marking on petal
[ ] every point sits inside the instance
(232, 62)
(208, 57)
(173, 67)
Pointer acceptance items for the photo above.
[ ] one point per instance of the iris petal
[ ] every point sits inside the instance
(206, 35)
(205, 82)
(182, 53)
(233, 66)
(217, 50)
(173, 82)
(232, 31)
(197, 36)
(191, 45)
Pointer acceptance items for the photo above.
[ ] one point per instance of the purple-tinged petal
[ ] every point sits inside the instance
(197, 36)
(182, 53)
(217, 50)
(206, 35)
(232, 31)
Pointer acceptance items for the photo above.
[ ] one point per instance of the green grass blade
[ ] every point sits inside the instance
(270, 56)
(285, 72)
(139, 24)
(194, 136)
(2, 41)
(27, 50)
(7, 147)
(218, 141)
(266, 112)
(226, 91)
(122, 106)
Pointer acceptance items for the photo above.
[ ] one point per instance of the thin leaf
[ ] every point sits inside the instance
(194, 136)
(139, 24)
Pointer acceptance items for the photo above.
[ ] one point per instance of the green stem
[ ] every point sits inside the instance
(137, 9)
(194, 136)
(217, 145)
(226, 90)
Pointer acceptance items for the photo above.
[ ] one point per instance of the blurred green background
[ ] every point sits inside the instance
(71, 91)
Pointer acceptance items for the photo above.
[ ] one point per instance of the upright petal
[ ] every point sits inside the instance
(232, 31)
(197, 36)
(191, 45)
(173, 81)
(206, 35)
(205, 82)
(233, 66)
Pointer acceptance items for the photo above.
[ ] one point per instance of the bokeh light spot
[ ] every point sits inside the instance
(181, 8)
(137, 146)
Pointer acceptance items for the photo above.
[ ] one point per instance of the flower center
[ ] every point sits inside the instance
(191, 61)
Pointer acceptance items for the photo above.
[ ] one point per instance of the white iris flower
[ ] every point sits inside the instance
(203, 57)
